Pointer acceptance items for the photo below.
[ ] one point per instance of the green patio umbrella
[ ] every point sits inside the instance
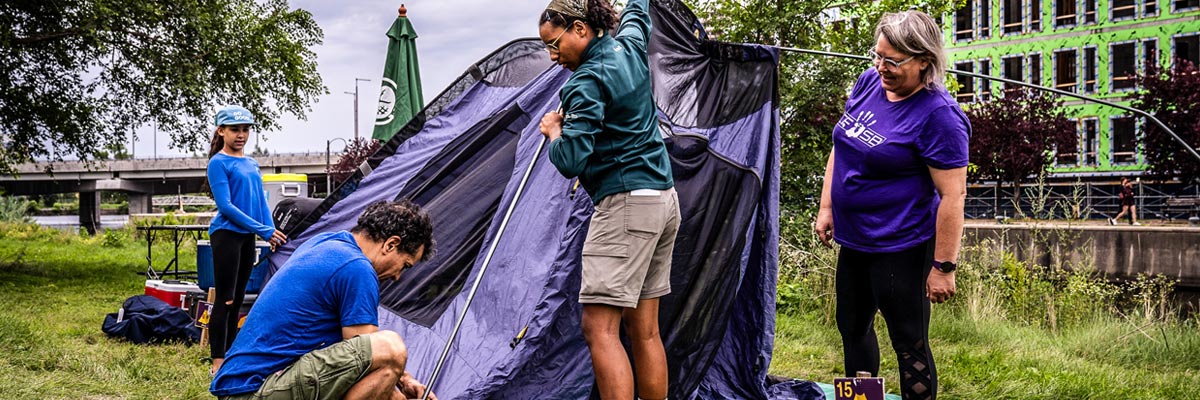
(400, 94)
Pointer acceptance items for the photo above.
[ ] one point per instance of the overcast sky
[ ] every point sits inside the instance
(453, 34)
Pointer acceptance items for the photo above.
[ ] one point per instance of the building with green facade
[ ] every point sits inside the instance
(1091, 47)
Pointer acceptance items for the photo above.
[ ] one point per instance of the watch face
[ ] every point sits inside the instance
(946, 266)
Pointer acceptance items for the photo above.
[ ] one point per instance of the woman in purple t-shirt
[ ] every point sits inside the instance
(893, 198)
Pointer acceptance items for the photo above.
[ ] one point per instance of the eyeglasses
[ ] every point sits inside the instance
(892, 64)
(553, 45)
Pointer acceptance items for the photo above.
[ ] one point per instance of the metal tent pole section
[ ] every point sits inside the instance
(1147, 115)
(482, 269)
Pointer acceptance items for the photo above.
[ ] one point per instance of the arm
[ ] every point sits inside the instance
(635, 22)
(824, 224)
(355, 330)
(218, 181)
(573, 140)
(951, 184)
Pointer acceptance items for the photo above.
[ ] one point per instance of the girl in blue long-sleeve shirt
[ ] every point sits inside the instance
(242, 214)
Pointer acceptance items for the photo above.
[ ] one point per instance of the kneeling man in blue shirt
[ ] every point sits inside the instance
(314, 331)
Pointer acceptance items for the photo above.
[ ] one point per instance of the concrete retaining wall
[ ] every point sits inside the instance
(1120, 251)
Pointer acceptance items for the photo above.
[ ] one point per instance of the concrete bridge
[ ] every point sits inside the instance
(141, 179)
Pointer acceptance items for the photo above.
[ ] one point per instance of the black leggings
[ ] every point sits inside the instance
(893, 284)
(233, 259)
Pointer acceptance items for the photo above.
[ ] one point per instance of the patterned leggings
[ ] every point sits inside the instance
(894, 285)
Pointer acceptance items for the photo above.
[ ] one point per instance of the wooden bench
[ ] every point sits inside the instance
(1190, 204)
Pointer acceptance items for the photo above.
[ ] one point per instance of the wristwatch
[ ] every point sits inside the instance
(944, 266)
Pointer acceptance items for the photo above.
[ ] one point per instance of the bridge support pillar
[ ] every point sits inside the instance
(139, 203)
(89, 211)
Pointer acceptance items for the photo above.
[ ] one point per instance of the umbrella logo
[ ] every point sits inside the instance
(387, 102)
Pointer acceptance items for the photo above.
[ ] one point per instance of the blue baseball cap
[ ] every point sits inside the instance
(234, 115)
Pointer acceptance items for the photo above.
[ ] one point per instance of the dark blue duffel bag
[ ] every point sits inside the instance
(147, 319)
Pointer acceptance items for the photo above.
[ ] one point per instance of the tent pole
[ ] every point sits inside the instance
(482, 269)
(1182, 143)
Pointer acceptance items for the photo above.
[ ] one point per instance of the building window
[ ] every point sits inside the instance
(1064, 157)
(1014, 17)
(1123, 9)
(1090, 141)
(1187, 48)
(985, 85)
(1149, 53)
(1089, 12)
(1065, 73)
(1035, 15)
(1150, 8)
(1035, 69)
(985, 19)
(964, 25)
(1089, 69)
(1123, 65)
(1014, 69)
(1064, 13)
(1185, 5)
(1124, 140)
(966, 83)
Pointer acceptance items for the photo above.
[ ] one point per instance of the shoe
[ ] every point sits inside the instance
(1136, 224)
(1112, 221)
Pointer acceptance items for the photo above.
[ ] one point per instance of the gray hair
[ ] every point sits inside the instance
(914, 33)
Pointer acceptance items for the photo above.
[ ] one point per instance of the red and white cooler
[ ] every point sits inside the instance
(170, 291)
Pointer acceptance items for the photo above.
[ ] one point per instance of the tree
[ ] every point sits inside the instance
(1014, 136)
(357, 151)
(1173, 96)
(812, 92)
(77, 75)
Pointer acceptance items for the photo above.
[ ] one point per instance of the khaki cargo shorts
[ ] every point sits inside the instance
(627, 255)
(327, 373)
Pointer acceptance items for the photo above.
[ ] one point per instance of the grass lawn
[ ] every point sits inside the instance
(58, 287)
(992, 359)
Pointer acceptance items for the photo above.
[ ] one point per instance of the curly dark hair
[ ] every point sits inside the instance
(600, 16)
(402, 218)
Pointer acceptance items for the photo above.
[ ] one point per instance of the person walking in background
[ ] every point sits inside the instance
(607, 135)
(242, 214)
(1127, 203)
(893, 196)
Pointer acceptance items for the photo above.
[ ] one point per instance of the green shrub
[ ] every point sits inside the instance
(116, 238)
(14, 209)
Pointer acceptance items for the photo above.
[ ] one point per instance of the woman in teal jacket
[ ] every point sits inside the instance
(607, 135)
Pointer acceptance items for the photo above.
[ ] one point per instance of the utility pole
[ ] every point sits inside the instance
(355, 93)
(328, 181)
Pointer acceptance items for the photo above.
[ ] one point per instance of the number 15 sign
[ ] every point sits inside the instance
(858, 388)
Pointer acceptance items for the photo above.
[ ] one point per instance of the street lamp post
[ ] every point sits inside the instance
(355, 93)
(329, 182)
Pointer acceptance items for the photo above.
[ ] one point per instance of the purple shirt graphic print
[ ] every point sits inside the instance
(882, 195)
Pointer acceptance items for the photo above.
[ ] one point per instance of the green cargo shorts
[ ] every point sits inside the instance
(327, 373)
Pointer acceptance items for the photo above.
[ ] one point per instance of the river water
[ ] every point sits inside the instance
(71, 222)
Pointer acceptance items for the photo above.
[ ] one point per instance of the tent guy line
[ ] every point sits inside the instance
(1059, 92)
